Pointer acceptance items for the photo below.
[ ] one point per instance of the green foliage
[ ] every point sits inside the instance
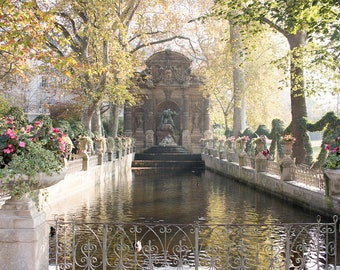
(66, 111)
(330, 124)
(18, 114)
(4, 106)
(78, 128)
(333, 158)
(45, 121)
(36, 160)
(64, 126)
(262, 130)
(275, 135)
(26, 151)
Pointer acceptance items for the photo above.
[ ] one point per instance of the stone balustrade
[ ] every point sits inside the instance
(297, 183)
(24, 231)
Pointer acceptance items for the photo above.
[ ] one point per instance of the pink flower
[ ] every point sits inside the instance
(55, 130)
(335, 149)
(327, 147)
(28, 128)
(10, 133)
(22, 144)
(37, 123)
(9, 149)
(8, 121)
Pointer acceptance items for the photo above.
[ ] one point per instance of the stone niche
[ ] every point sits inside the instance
(167, 85)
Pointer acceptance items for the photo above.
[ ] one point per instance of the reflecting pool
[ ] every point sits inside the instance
(182, 197)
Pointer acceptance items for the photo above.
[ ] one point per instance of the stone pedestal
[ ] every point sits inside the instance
(149, 138)
(334, 177)
(23, 236)
(287, 163)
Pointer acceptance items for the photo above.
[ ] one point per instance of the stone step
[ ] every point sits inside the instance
(167, 164)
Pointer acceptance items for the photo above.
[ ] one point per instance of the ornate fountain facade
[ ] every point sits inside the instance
(171, 109)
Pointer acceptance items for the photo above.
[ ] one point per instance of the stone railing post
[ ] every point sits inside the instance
(287, 164)
(222, 150)
(260, 158)
(23, 236)
(231, 151)
(243, 154)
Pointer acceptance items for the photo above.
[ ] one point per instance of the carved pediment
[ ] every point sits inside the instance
(169, 67)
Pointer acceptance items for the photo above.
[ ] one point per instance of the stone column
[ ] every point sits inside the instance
(149, 114)
(186, 140)
(149, 132)
(127, 121)
(186, 112)
(206, 119)
(24, 236)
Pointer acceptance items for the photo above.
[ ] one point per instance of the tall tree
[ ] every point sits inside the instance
(223, 55)
(238, 77)
(299, 22)
(97, 59)
(104, 40)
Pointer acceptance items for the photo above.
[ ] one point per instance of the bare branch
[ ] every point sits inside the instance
(161, 41)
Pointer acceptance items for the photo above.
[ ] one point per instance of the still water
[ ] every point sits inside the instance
(179, 198)
(150, 199)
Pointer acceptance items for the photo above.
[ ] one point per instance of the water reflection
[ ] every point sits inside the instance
(147, 202)
(177, 197)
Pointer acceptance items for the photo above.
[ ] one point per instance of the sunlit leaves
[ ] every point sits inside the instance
(22, 28)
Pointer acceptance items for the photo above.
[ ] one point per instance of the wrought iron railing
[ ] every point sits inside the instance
(197, 246)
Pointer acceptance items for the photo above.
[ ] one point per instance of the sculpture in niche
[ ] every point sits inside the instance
(195, 121)
(167, 118)
(167, 126)
(139, 121)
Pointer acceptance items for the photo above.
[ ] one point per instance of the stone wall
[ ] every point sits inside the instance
(309, 198)
(70, 191)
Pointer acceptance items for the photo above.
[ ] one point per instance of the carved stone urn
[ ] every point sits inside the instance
(287, 163)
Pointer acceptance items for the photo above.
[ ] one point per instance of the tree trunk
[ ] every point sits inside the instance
(96, 123)
(297, 94)
(87, 115)
(238, 77)
(113, 120)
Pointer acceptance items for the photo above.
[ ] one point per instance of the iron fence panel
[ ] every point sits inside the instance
(106, 246)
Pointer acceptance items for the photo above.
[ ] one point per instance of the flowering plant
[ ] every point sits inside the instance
(27, 150)
(288, 138)
(261, 138)
(333, 158)
(230, 140)
(243, 139)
